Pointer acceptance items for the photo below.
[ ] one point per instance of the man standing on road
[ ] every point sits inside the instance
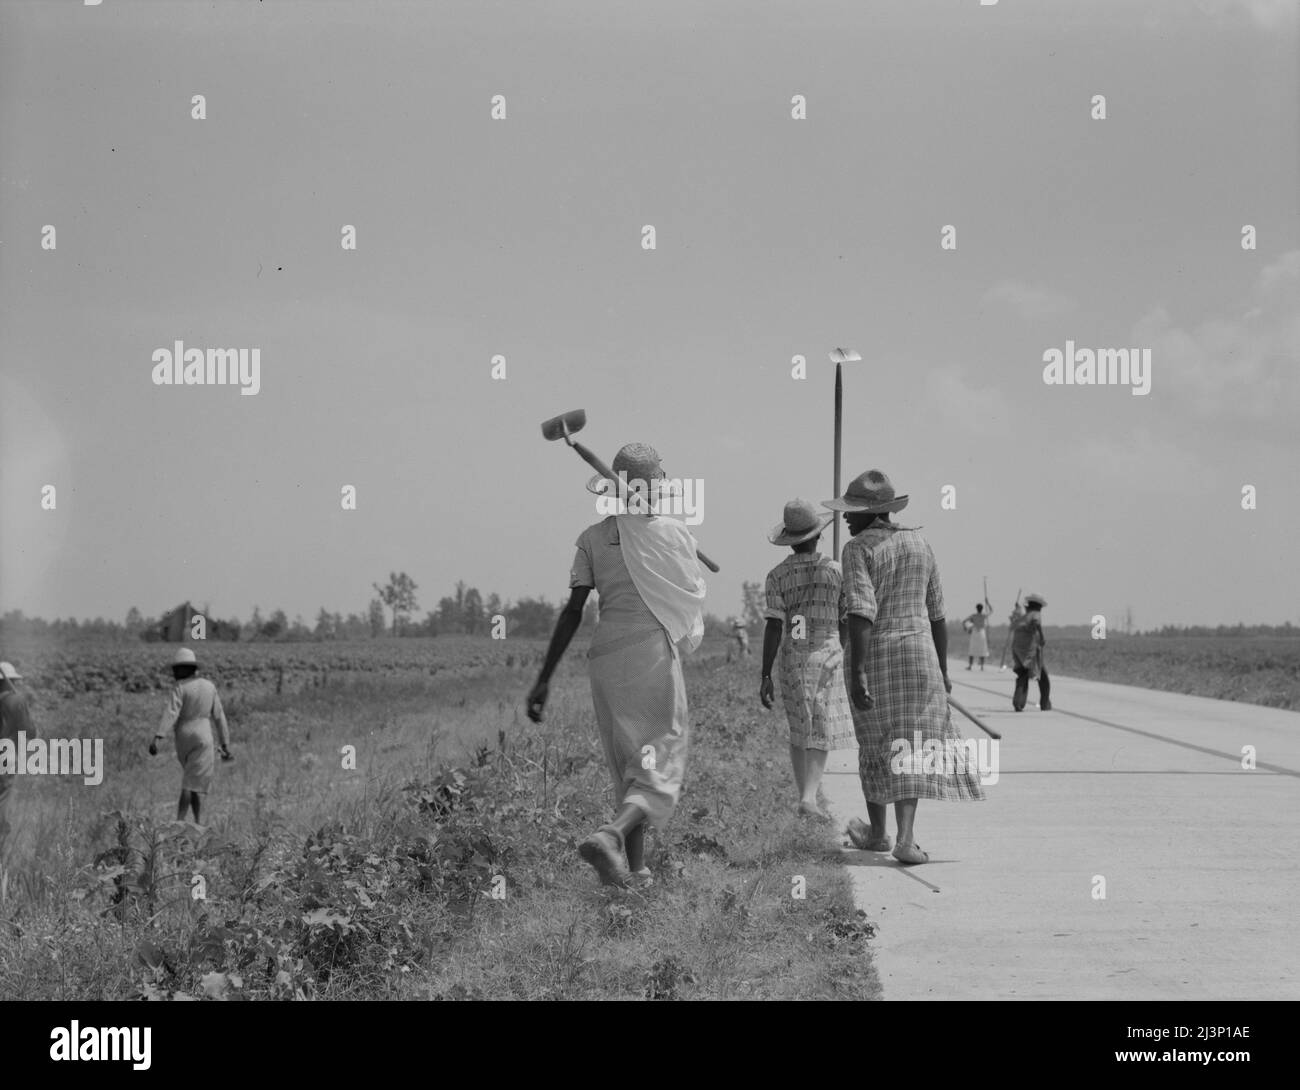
(1027, 644)
(14, 717)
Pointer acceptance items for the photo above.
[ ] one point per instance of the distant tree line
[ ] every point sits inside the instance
(1287, 629)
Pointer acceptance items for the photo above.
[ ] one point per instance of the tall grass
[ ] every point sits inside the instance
(443, 866)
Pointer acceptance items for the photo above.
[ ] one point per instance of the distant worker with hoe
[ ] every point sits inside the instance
(15, 716)
(898, 676)
(803, 623)
(192, 708)
(644, 570)
(976, 626)
(1027, 642)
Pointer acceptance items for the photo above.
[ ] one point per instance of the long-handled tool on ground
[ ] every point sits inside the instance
(1007, 646)
(987, 730)
(564, 426)
(839, 357)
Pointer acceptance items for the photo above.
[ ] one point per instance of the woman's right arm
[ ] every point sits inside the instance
(565, 627)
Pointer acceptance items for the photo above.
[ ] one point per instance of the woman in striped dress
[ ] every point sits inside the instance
(898, 678)
(803, 623)
(647, 578)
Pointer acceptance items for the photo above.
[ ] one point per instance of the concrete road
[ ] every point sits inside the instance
(1142, 789)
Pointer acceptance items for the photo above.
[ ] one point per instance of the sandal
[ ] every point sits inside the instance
(604, 851)
(860, 835)
(910, 855)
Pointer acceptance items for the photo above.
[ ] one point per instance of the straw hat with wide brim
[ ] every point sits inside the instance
(1032, 599)
(800, 522)
(184, 657)
(7, 671)
(871, 493)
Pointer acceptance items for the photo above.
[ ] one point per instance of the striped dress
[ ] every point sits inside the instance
(637, 687)
(803, 593)
(891, 578)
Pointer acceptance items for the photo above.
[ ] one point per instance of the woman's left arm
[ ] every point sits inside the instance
(566, 626)
(223, 728)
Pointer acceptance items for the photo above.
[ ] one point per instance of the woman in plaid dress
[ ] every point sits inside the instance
(898, 679)
(803, 622)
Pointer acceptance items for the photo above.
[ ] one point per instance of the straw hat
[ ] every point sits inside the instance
(634, 462)
(7, 671)
(800, 522)
(1030, 599)
(871, 494)
(184, 657)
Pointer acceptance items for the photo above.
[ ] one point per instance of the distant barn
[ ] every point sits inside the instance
(175, 626)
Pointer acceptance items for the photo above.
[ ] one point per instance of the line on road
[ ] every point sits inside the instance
(1234, 757)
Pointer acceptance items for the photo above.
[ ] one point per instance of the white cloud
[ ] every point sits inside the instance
(1030, 302)
(1147, 463)
(963, 404)
(1245, 370)
(1268, 14)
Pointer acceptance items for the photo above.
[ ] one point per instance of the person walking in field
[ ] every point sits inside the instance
(192, 708)
(1027, 643)
(977, 627)
(803, 624)
(898, 675)
(644, 571)
(15, 716)
(741, 635)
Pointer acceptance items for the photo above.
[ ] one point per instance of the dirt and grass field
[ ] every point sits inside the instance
(443, 866)
(441, 863)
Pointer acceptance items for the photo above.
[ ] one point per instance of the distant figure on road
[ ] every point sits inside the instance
(651, 591)
(15, 716)
(1027, 642)
(977, 626)
(191, 710)
(893, 601)
(803, 623)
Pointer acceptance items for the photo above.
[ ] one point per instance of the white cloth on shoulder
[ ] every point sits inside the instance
(660, 556)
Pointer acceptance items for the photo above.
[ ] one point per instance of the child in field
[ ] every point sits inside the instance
(803, 623)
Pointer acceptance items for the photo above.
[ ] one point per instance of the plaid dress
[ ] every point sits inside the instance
(807, 586)
(890, 578)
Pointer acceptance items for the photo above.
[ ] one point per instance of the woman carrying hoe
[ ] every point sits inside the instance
(651, 593)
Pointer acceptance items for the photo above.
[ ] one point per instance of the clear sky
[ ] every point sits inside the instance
(522, 237)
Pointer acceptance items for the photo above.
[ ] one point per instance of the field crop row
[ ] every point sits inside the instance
(104, 667)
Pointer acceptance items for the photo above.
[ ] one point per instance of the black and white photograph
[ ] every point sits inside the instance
(696, 501)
